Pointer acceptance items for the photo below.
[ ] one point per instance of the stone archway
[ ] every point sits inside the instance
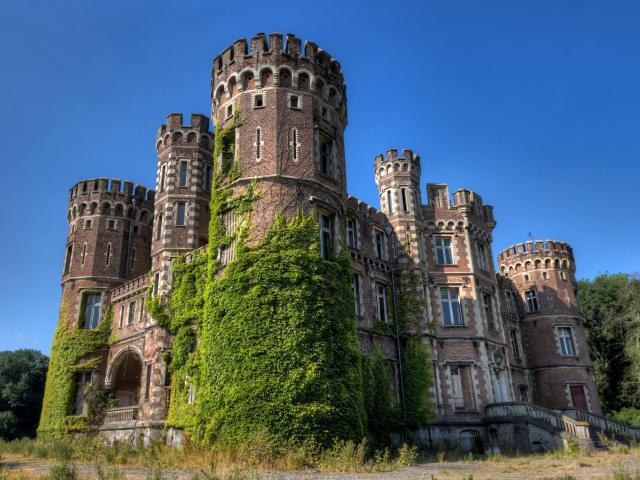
(124, 377)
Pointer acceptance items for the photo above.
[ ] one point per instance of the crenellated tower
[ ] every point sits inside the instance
(293, 103)
(108, 242)
(543, 275)
(183, 184)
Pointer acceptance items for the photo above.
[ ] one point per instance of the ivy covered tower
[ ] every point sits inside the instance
(293, 112)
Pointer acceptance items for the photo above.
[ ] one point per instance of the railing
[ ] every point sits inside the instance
(131, 286)
(121, 414)
(573, 426)
(602, 423)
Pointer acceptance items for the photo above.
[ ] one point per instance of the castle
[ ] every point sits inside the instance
(509, 355)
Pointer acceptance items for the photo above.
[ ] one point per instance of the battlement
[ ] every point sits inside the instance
(262, 50)
(406, 165)
(175, 133)
(88, 196)
(548, 253)
(370, 212)
(464, 199)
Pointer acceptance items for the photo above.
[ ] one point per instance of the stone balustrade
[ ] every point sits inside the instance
(602, 423)
(121, 414)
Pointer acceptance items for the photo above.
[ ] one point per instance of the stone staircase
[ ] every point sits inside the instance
(585, 427)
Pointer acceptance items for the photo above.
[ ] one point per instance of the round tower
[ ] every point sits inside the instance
(108, 243)
(543, 274)
(183, 192)
(292, 105)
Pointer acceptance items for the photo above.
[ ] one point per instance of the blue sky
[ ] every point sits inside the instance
(534, 105)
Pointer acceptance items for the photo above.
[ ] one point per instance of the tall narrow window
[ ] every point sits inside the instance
(92, 311)
(514, 343)
(228, 252)
(156, 284)
(325, 156)
(133, 257)
(488, 311)
(351, 232)
(67, 260)
(208, 177)
(147, 382)
(159, 227)
(184, 166)
(228, 154)
(420, 241)
(566, 341)
(482, 261)
(443, 250)
(258, 143)
(462, 383)
(451, 307)
(294, 143)
(404, 200)
(108, 254)
(121, 321)
(390, 201)
(532, 301)
(326, 243)
(379, 244)
(132, 312)
(163, 172)
(181, 214)
(84, 253)
(355, 288)
(381, 302)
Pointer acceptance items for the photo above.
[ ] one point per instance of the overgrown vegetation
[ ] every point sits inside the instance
(611, 304)
(69, 346)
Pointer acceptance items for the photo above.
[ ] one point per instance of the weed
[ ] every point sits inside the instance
(63, 471)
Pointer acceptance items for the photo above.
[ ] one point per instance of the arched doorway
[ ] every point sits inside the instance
(126, 373)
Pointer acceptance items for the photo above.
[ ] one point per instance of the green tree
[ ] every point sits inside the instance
(22, 379)
(630, 323)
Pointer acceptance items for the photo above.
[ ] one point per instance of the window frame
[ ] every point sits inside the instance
(515, 343)
(565, 339)
(379, 244)
(531, 299)
(91, 318)
(131, 313)
(487, 304)
(259, 97)
(442, 250)
(159, 226)
(181, 214)
(298, 101)
(352, 236)
(380, 298)
(481, 253)
(208, 177)
(355, 288)
(451, 307)
(326, 234)
(325, 157)
(467, 388)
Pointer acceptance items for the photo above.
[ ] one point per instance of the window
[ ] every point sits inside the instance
(159, 227)
(566, 341)
(228, 154)
(132, 312)
(183, 173)
(544, 276)
(108, 255)
(136, 229)
(532, 301)
(325, 235)
(229, 111)
(91, 311)
(84, 381)
(403, 194)
(121, 321)
(112, 224)
(526, 278)
(228, 252)
(378, 240)
(451, 307)
(351, 233)
(294, 101)
(191, 396)
(258, 143)
(524, 394)
(84, 254)
(488, 311)
(389, 201)
(133, 257)
(462, 383)
(510, 302)
(325, 156)
(294, 143)
(515, 345)
(208, 177)
(482, 262)
(181, 213)
(355, 288)
(163, 173)
(562, 275)
(381, 302)
(420, 241)
(147, 382)
(443, 250)
(87, 224)
(258, 101)
(67, 259)
(156, 284)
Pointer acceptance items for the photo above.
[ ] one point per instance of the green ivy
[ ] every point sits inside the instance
(69, 347)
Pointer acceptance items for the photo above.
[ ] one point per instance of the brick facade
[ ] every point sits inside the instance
(487, 345)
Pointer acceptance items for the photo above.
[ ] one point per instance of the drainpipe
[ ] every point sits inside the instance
(388, 231)
(126, 267)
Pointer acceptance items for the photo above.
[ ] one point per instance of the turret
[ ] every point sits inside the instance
(398, 180)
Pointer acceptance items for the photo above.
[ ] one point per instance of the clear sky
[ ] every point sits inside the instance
(533, 104)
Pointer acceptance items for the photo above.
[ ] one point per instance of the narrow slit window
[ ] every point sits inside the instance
(133, 258)
(181, 214)
(404, 200)
(67, 260)
(390, 201)
(294, 136)
(84, 253)
(183, 173)
(108, 254)
(159, 227)
(258, 143)
(163, 172)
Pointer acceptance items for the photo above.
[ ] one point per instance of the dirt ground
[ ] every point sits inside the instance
(601, 465)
